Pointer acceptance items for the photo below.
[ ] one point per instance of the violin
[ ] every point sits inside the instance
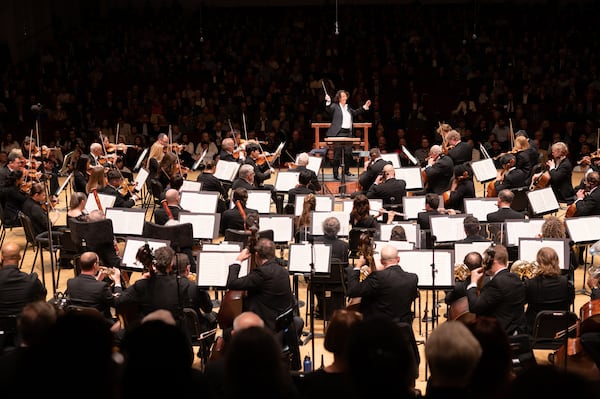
(117, 147)
(265, 157)
(26, 187)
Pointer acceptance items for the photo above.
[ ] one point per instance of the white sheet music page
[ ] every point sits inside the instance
(202, 202)
(314, 164)
(543, 200)
(226, 170)
(203, 225)
(324, 203)
(286, 181)
(481, 207)
(282, 226)
(529, 247)
(410, 156)
(300, 258)
(132, 245)
(484, 170)
(516, 229)
(412, 206)
(126, 222)
(140, 178)
(106, 201)
(393, 158)
(412, 177)
(583, 229)
(419, 262)
(213, 268)
(399, 245)
(259, 200)
(189, 185)
(461, 249)
(385, 231)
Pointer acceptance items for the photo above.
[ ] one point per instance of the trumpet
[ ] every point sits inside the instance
(461, 272)
(109, 271)
(594, 271)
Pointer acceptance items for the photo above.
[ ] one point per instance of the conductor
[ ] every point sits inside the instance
(341, 126)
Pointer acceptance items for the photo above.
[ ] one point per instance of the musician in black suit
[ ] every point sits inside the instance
(591, 340)
(389, 292)
(268, 284)
(115, 179)
(373, 168)
(262, 173)
(89, 288)
(302, 162)
(589, 204)
(95, 153)
(439, 171)
(561, 172)
(505, 212)
(460, 151)
(210, 183)
(18, 288)
(232, 218)
(33, 208)
(503, 297)
(164, 289)
(472, 261)
(81, 175)
(341, 126)
(472, 230)
(387, 187)
(245, 178)
(304, 181)
(227, 151)
(510, 176)
(172, 198)
(14, 161)
(548, 290)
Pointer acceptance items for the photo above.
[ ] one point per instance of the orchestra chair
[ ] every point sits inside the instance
(197, 334)
(8, 333)
(550, 326)
(154, 197)
(354, 239)
(41, 242)
(233, 235)
(333, 284)
(95, 236)
(286, 328)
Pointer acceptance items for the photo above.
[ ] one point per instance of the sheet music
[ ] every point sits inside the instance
(141, 159)
(410, 228)
(412, 177)
(529, 247)
(127, 221)
(132, 245)
(481, 207)
(324, 203)
(393, 158)
(484, 170)
(300, 258)
(282, 226)
(202, 202)
(62, 187)
(106, 201)
(197, 163)
(213, 268)
(419, 262)
(399, 245)
(140, 178)
(189, 185)
(318, 218)
(583, 229)
(223, 246)
(461, 249)
(226, 170)
(410, 156)
(543, 200)
(314, 164)
(516, 229)
(204, 225)
(412, 206)
(448, 228)
(285, 181)
(259, 200)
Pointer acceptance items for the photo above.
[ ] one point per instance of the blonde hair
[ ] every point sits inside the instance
(309, 205)
(97, 179)
(547, 260)
(521, 143)
(562, 147)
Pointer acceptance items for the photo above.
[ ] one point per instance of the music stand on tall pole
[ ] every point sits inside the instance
(342, 141)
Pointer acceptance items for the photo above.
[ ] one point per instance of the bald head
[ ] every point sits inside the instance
(11, 253)
(87, 260)
(435, 150)
(389, 171)
(389, 255)
(227, 144)
(172, 196)
(246, 320)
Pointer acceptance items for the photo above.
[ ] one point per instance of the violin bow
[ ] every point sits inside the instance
(176, 154)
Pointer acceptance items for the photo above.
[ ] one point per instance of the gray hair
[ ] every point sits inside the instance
(246, 170)
(331, 226)
(303, 159)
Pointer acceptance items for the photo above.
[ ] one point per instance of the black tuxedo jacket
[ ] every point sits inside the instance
(512, 179)
(504, 214)
(211, 183)
(161, 217)
(268, 288)
(225, 156)
(232, 219)
(237, 183)
(547, 293)
(503, 297)
(464, 189)
(439, 175)
(367, 177)
(18, 289)
(388, 292)
(589, 205)
(314, 179)
(85, 290)
(391, 191)
(423, 219)
(336, 118)
(560, 180)
(461, 153)
(79, 182)
(38, 217)
(295, 191)
(120, 201)
(259, 171)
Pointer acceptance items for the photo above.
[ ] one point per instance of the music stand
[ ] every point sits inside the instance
(127, 221)
(205, 226)
(62, 188)
(138, 163)
(132, 245)
(342, 142)
(583, 231)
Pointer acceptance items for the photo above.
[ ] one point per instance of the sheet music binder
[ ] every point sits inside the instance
(529, 247)
(484, 170)
(132, 245)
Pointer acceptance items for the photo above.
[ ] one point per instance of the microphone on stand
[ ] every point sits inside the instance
(36, 107)
(337, 30)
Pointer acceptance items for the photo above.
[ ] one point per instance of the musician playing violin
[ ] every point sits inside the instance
(510, 176)
(590, 341)
(36, 207)
(460, 151)
(587, 205)
(96, 153)
(561, 171)
(439, 170)
(113, 188)
(268, 288)
(462, 187)
(228, 151)
(262, 172)
(172, 197)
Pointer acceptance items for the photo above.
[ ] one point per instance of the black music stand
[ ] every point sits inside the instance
(342, 142)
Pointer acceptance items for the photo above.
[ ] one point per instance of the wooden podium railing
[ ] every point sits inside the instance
(364, 126)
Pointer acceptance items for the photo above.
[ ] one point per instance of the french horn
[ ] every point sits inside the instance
(525, 269)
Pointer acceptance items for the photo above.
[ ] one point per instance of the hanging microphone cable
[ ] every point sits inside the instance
(337, 30)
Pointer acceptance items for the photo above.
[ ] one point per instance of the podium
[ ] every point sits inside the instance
(362, 126)
(342, 142)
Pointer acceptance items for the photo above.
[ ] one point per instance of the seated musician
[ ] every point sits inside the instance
(462, 187)
(472, 261)
(432, 202)
(590, 341)
(210, 183)
(36, 208)
(472, 230)
(360, 216)
(460, 151)
(95, 153)
(158, 148)
(233, 218)
(587, 205)
(262, 173)
(510, 176)
(245, 178)
(439, 171)
(504, 212)
(228, 151)
(114, 188)
(172, 198)
(302, 163)
(14, 195)
(373, 168)
(125, 171)
(303, 187)
(387, 187)
(560, 170)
